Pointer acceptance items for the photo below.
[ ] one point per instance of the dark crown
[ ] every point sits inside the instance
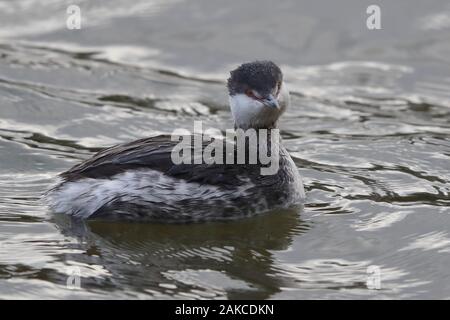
(262, 76)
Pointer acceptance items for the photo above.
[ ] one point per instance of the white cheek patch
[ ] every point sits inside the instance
(84, 197)
(248, 112)
(244, 109)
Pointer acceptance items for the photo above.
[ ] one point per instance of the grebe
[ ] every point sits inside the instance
(139, 180)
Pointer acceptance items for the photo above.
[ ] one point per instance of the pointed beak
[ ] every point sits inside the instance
(271, 101)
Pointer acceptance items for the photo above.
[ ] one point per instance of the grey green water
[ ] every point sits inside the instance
(369, 129)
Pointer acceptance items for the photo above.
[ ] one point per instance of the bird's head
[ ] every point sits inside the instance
(257, 95)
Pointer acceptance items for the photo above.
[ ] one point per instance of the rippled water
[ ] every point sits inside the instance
(369, 129)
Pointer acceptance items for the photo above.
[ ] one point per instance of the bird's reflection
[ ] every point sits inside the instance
(144, 257)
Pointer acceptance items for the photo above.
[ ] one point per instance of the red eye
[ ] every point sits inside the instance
(249, 93)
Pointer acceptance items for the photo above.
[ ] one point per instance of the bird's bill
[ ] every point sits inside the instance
(271, 101)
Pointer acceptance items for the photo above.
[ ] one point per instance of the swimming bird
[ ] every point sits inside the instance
(140, 181)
